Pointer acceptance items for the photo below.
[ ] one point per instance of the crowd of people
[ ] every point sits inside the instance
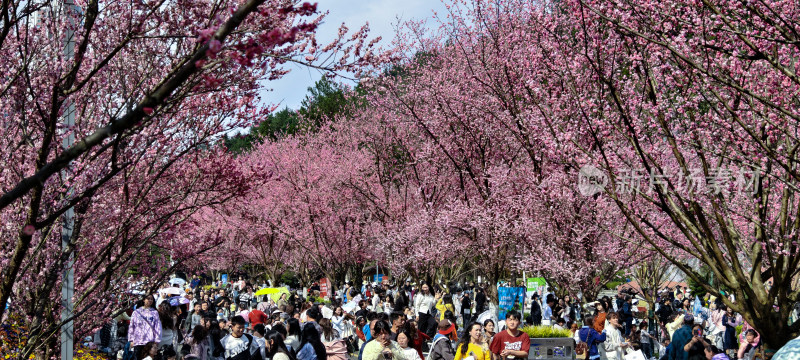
(706, 322)
(406, 322)
(687, 329)
(187, 320)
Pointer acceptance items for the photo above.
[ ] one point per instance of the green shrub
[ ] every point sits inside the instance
(318, 300)
(545, 332)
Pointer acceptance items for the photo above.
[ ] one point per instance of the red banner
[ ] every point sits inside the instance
(324, 287)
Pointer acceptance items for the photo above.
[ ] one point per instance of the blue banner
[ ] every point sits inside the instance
(509, 297)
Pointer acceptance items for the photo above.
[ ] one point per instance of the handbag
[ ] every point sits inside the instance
(581, 350)
(352, 344)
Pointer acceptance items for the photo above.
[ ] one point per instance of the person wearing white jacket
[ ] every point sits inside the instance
(614, 348)
(423, 304)
(375, 301)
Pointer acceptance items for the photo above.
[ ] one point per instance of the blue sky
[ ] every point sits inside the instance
(382, 15)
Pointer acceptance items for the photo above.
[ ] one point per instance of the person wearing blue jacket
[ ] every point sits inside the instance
(626, 314)
(591, 337)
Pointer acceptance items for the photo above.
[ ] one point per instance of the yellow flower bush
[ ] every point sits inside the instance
(88, 354)
(13, 336)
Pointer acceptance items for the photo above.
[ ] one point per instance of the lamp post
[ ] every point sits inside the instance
(68, 281)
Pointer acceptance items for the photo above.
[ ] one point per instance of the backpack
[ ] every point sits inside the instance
(435, 355)
(582, 348)
(249, 340)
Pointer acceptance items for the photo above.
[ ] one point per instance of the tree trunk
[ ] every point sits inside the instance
(491, 288)
(775, 330)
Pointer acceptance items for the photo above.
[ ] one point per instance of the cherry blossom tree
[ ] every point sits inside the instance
(151, 86)
(671, 109)
(488, 188)
(691, 116)
(306, 215)
(650, 275)
(666, 100)
(132, 224)
(569, 138)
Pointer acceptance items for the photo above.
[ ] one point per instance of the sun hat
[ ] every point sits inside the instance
(445, 327)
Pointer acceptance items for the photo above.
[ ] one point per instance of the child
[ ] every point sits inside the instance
(646, 340)
(748, 347)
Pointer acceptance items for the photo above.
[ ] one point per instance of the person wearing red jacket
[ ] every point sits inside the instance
(417, 340)
(256, 317)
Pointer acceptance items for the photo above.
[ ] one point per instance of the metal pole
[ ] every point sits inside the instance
(68, 281)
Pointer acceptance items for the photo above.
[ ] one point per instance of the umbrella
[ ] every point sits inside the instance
(178, 301)
(171, 291)
(267, 291)
(177, 281)
(327, 312)
(352, 304)
(790, 351)
(274, 293)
